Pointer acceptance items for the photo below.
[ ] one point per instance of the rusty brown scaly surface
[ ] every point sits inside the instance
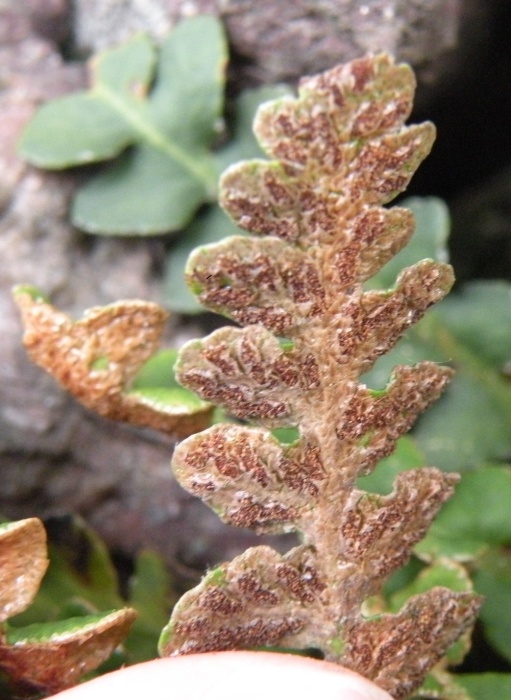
(338, 153)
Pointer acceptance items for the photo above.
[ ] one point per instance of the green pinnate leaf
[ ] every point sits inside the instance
(81, 578)
(87, 127)
(474, 521)
(166, 107)
(405, 456)
(243, 142)
(441, 684)
(492, 578)
(152, 595)
(442, 572)
(474, 527)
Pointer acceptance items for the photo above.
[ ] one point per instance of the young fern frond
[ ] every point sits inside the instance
(339, 152)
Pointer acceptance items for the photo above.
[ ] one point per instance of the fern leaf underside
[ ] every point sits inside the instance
(309, 329)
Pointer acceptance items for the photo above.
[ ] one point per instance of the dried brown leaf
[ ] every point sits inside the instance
(56, 663)
(96, 358)
(23, 562)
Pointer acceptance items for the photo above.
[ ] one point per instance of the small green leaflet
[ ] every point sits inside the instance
(159, 112)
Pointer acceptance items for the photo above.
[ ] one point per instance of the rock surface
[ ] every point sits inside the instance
(281, 41)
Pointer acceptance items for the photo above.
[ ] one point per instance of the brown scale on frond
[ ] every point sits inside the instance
(296, 478)
(250, 462)
(371, 118)
(260, 632)
(221, 357)
(249, 513)
(346, 262)
(305, 584)
(202, 487)
(381, 231)
(252, 590)
(235, 398)
(281, 280)
(251, 362)
(244, 474)
(384, 166)
(282, 193)
(247, 370)
(362, 70)
(274, 319)
(309, 372)
(304, 285)
(287, 371)
(302, 467)
(320, 219)
(230, 453)
(256, 272)
(217, 601)
(271, 210)
(227, 296)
